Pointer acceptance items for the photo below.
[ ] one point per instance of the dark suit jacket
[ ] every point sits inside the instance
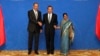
(33, 23)
(50, 26)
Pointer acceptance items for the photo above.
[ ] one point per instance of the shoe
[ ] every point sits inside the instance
(36, 53)
(29, 53)
(48, 53)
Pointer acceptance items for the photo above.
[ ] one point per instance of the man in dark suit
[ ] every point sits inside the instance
(34, 28)
(50, 21)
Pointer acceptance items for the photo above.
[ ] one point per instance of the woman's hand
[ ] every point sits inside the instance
(58, 27)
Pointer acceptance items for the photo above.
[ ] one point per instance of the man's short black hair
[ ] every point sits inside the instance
(35, 3)
(49, 6)
(65, 14)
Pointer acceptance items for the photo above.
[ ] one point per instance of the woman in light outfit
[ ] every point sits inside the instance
(67, 34)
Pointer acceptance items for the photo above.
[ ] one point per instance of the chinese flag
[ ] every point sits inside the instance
(98, 23)
(2, 32)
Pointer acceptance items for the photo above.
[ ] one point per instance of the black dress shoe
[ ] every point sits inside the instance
(52, 52)
(37, 53)
(48, 53)
(29, 53)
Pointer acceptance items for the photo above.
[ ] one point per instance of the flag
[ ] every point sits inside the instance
(2, 32)
(98, 23)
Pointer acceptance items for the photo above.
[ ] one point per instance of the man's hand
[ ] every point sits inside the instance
(55, 26)
(58, 27)
(41, 31)
(40, 24)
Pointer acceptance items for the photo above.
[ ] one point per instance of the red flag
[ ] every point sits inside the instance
(2, 32)
(98, 24)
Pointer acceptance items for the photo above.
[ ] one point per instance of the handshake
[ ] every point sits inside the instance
(40, 23)
(56, 27)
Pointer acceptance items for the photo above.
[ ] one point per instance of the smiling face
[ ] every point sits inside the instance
(50, 9)
(65, 17)
(35, 6)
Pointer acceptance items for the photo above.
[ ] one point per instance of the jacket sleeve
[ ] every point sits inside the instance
(55, 21)
(43, 19)
(40, 19)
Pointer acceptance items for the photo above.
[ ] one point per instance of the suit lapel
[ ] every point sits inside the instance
(34, 14)
(51, 18)
(47, 18)
(38, 14)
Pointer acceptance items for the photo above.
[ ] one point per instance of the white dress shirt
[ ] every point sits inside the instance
(36, 13)
(49, 17)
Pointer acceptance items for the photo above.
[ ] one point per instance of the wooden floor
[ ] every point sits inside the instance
(57, 53)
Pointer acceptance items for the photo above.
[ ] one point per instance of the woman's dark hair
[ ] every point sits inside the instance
(65, 14)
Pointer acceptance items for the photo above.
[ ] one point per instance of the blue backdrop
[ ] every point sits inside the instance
(81, 12)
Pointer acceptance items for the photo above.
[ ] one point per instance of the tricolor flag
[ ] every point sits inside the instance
(2, 31)
(98, 23)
